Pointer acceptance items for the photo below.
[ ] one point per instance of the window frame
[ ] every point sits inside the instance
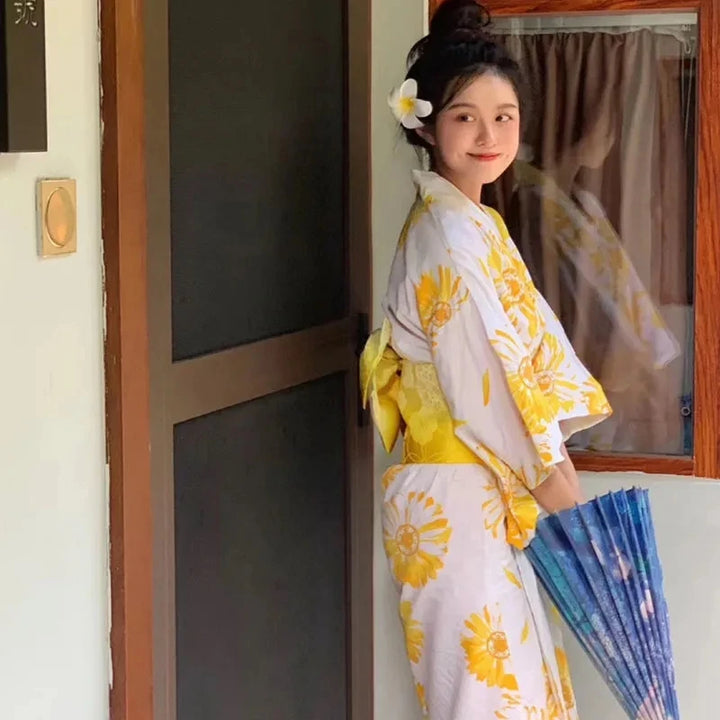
(705, 460)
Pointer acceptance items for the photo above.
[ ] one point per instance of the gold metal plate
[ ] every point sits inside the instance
(57, 215)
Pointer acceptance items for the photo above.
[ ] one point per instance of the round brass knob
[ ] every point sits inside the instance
(60, 217)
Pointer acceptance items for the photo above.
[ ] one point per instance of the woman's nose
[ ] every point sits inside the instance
(486, 134)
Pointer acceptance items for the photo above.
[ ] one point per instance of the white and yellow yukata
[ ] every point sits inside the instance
(474, 369)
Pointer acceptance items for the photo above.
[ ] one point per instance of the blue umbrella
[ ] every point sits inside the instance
(599, 564)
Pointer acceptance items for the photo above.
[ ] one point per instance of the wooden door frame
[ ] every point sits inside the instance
(127, 359)
(127, 383)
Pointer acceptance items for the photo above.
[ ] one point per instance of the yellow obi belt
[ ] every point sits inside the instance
(405, 397)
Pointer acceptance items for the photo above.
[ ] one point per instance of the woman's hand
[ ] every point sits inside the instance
(561, 489)
(569, 471)
(556, 493)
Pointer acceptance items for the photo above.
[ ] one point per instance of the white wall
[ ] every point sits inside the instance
(396, 24)
(53, 519)
(686, 512)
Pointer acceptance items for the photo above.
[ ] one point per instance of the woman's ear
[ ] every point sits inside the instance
(426, 134)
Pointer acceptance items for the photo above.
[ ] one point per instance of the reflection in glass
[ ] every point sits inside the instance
(601, 205)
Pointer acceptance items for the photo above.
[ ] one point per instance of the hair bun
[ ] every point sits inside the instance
(460, 21)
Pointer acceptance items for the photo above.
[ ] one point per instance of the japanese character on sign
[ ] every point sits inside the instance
(25, 12)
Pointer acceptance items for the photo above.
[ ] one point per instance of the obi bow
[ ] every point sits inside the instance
(380, 368)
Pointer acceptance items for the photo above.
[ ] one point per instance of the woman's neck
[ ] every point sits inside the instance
(469, 186)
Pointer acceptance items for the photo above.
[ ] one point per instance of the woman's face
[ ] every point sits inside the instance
(476, 137)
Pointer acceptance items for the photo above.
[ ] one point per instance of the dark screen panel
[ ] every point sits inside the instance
(260, 559)
(257, 169)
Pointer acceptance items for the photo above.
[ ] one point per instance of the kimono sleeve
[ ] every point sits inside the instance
(574, 398)
(484, 371)
(577, 398)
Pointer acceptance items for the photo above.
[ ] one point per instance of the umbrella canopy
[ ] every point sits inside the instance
(599, 564)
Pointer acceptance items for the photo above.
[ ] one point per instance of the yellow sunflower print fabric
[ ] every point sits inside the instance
(416, 537)
(479, 642)
(475, 373)
(471, 364)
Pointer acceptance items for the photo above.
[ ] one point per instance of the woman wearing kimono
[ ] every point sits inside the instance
(475, 371)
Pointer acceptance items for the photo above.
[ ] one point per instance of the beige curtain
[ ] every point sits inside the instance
(607, 145)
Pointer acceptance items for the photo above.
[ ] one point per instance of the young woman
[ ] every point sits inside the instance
(474, 369)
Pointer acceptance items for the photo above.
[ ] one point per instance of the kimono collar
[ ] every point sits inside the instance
(435, 189)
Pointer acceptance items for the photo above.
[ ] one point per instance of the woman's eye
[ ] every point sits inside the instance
(504, 118)
(465, 118)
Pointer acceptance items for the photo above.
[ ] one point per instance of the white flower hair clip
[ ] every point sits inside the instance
(407, 107)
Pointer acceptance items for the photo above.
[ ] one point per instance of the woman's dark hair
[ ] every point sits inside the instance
(457, 50)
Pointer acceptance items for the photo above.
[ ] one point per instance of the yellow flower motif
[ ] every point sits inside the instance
(515, 289)
(525, 633)
(536, 713)
(487, 651)
(559, 391)
(594, 398)
(517, 293)
(553, 709)
(495, 242)
(416, 536)
(515, 709)
(420, 690)
(527, 374)
(520, 301)
(439, 299)
(486, 388)
(513, 578)
(524, 388)
(414, 636)
(493, 262)
(418, 209)
(511, 506)
(565, 682)
(546, 455)
(390, 475)
(512, 706)
(494, 510)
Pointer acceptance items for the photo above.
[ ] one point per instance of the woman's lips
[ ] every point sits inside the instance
(486, 157)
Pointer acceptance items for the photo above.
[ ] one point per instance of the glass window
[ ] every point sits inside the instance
(601, 203)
